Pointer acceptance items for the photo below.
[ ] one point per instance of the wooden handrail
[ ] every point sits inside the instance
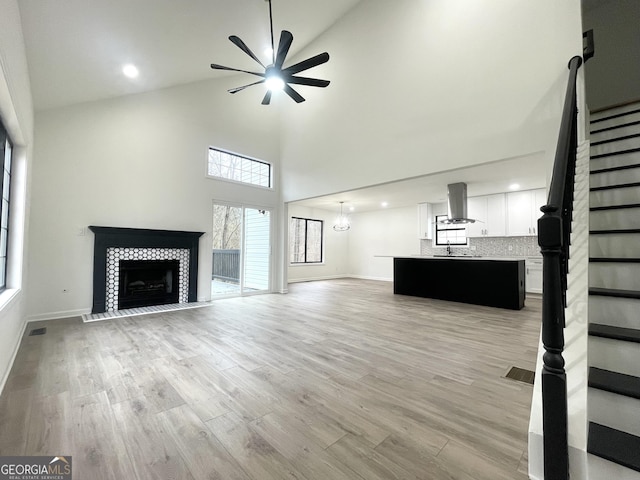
(554, 233)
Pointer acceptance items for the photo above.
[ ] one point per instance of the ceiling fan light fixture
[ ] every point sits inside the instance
(284, 76)
(274, 83)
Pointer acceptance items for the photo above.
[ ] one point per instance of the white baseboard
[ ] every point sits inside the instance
(40, 317)
(5, 377)
(313, 279)
(366, 277)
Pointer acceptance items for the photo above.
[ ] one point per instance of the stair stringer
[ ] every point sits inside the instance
(576, 338)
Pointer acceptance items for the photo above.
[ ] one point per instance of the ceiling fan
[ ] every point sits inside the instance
(275, 76)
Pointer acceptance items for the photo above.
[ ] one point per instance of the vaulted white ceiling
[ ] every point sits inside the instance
(76, 48)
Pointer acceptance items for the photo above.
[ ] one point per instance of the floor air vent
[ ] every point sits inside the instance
(38, 331)
(521, 375)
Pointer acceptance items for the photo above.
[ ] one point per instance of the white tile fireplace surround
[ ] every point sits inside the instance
(115, 244)
(116, 254)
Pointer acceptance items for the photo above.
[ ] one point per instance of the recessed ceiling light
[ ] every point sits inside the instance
(514, 186)
(130, 70)
(385, 204)
(352, 208)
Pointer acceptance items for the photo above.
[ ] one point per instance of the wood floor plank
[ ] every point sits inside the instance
(257, 457)
(154, 455)
(338, 379)
(201, 451)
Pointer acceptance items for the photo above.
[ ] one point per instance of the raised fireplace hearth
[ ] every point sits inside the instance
(169, 257)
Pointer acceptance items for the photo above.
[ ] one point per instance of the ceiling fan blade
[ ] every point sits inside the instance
(307, 64)
(312, 82)
(242, 46)
(222, 67)
(293, 94)
(238, 89)
(283, 48)
(267, 98)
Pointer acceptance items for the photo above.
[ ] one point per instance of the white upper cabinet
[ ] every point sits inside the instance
(523, 211)
(426, 217)
(425, 225)
(490, 213)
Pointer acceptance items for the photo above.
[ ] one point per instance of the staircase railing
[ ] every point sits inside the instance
(554, 233)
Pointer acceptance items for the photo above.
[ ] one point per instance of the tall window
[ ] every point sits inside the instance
(305, 240)
(230, 166)
(5, 179)
(450, 234)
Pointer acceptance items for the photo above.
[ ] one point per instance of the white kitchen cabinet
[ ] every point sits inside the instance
(490, 213)
(533, 277)
(426, 217)
(425, 225)
(523, 211)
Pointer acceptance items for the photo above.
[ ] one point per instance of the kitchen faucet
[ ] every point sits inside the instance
(448, 248)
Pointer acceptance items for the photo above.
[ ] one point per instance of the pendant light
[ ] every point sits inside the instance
(342, 222)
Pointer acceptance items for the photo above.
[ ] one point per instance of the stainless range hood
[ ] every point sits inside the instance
(457, 202)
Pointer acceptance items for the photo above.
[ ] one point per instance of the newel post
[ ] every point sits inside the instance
(554, 379)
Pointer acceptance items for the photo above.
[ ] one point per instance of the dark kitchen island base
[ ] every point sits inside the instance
(490, 282)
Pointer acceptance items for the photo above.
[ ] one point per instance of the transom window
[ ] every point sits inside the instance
(449, 234)
(305, 240)
(5, 184)
(230, 166)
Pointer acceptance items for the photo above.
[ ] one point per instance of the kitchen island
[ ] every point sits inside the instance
(494, 282)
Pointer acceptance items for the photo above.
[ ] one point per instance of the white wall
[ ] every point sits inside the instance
(419, 87)
(376, 236)
(16, 112)
(613, 74)
(137, 161)
(336, 245)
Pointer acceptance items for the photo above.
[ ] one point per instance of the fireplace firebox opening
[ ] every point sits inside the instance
(148, 282)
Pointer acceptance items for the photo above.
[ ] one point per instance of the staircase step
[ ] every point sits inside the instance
(607, 161)
(620, 231)
(614, 382)
(610, 118)
(618, 219)
(615, 333)
(621, 312)
(615, 128)
(614, 169)
(618, 138)
(613, 410)
(599, 155)
(615, 146)
(614, 445)
(615, 275)
(600, 468)
(614, 355)
(613, 260)
(614, 292)
(604, 197)
(621, 245)
(614, 177)
(614, 186)
(615, 207)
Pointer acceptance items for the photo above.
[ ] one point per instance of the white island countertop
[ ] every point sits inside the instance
(461, 257)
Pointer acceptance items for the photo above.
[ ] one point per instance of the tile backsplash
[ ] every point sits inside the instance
(490, 247)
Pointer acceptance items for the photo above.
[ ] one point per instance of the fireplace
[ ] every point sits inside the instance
(145, 249)
(148, 282)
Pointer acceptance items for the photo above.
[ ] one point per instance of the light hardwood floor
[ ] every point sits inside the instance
(336, 380)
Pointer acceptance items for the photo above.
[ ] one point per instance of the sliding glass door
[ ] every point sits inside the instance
(241, 250)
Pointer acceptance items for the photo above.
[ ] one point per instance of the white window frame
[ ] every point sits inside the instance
(253, 161)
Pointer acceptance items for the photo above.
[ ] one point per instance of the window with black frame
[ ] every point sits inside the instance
(305, 240)
(5, 179)
(449, 233)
